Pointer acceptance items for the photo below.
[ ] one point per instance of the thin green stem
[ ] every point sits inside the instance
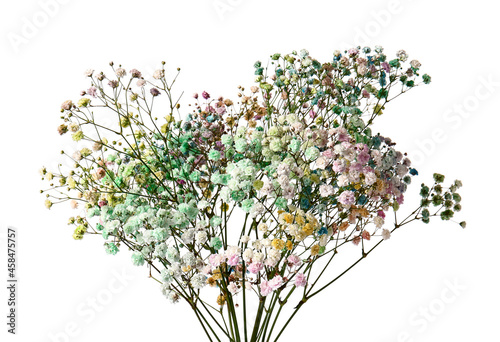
(282, 303)
(260, 309)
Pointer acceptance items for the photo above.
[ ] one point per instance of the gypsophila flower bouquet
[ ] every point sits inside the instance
(244, 205)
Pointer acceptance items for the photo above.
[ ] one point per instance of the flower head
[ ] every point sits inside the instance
(154, 91)
(66, 105)
(135, 73)
(300, 280)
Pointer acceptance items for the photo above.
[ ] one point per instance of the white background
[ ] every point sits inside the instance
(44, 51)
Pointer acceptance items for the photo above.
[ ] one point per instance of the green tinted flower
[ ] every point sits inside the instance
(238, 195)
(166, 276)
(425, 213)
(229, 153)
(215, 221)
(94, 211)
(226, 139)
(425, 202)
(160, 234)
(266, 86)
(195, 176)
(138, 259)
(424, 191)
(281, 203)
(214, 155)
(48, 204)
(216, 243)
(189, 210)
(276, 145)
(312, 153)
(240, 145)
(172, 254)
(132, 225)
(437, 200)
(111, 248)
(247, 205)
(275, 131)
(294, 145)
(81, 229)
(258, 184)
(395, 206)
(77, 136)
(83, 102)
(257, 145)
(112, 225)
(438, 178)
(79, 232)
(447, 214)
(267, 152)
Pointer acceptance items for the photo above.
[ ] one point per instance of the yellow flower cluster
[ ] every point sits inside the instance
(216, 274)
(315, 250)
(221, 300)
(278, 244)
(298, 224)
(360, 212)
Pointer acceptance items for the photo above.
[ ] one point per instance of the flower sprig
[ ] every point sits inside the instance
(249, 197)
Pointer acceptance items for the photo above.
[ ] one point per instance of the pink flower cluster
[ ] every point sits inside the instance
(255, 265)
(266, 287)
(357, 164)
(231, 257)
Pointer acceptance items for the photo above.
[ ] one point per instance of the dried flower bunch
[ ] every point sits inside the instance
(246, 201)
